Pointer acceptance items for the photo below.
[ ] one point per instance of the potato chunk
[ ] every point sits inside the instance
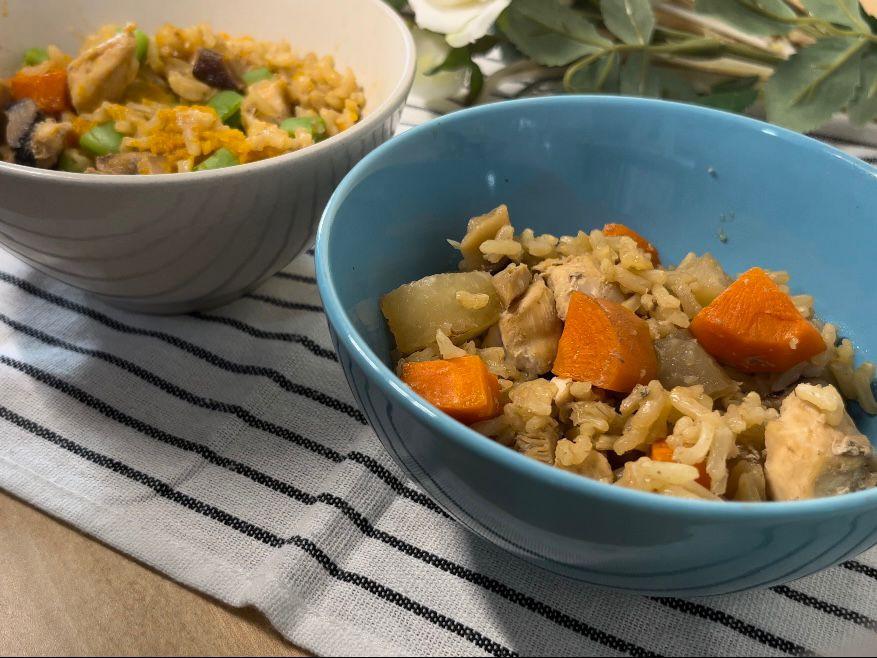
(417, 310)
(479, 230)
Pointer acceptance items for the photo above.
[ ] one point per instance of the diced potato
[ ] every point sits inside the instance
(417, 310)
(480, 229)
(710, 278)
(683, 362)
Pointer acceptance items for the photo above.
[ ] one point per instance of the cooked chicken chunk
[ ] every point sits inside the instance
(531, 330)
(579, 273)
(511, 283)
(102, 73)
(47, 141)
(814, 449)
(184, 84)
(265, 102)
(480, 229)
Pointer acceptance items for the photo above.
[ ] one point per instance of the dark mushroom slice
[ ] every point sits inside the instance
(5, 99)
(129, 164)
(21, 118)
(211, 68)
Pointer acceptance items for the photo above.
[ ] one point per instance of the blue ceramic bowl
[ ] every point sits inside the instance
(688, 178)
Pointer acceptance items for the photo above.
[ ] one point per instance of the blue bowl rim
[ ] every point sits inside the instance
(448, 428)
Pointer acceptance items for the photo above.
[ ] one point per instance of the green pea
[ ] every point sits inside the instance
(255, 75)
(142, 44)
(218, 160)
(73, 160)
(314, 125)
(226, 103)
(103, 139)
(34, 56)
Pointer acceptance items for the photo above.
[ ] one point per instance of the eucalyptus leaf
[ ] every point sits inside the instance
(594, 75)
(840, 12)
(863, 107)
(637, 78)
(476, 83)
(753, 16)
(549, 32)
(817, 81)
(632, 21)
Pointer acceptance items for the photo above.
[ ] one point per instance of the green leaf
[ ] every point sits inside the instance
(457, 58)
(550, 33)
(863, 107)
(398, 5)
(753, 16)
(840, 12)
(817, 81)
(732, 96)
(476, 83)
(596, 74)
(674, 86)
(637, 77)
(632, 21)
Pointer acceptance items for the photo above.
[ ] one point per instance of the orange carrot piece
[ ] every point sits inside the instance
(605, 344)
(755, 327)
(662, 452)
(462, 387)
(48, 90)
(616, 230)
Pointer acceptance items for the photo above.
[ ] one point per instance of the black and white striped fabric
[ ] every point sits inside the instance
(225, 449)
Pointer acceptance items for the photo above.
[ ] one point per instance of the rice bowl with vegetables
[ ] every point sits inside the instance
(182, 99)
(588, 354)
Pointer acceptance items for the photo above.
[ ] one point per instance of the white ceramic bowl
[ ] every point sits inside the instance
(178, 242)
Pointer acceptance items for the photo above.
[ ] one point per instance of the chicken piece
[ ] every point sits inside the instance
(579, 273)
(47, 141)
(531, 330)
(814, 449)
(130, 163)
(265, 102)
(103, 72)
(184, 84)
(478, 230)
(511, 283)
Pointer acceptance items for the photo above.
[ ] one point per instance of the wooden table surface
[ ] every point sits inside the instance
(64, 593)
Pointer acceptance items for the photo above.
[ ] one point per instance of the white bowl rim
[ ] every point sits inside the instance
(391, 103)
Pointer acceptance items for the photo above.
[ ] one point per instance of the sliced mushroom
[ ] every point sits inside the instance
(531, 330)
(814, 449)
(511, 283)
(582, 274)
(21, 118)
(5, 99)
(102, 73)
(130, 163)
(211, 68)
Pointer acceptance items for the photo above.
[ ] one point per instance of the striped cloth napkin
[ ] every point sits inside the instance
(225, 450)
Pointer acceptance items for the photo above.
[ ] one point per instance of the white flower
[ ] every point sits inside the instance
(463, 21)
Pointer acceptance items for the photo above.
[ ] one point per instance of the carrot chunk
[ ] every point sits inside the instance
(616, 230)
(755, 327)
(662, 452)
(462, 387)
(605, 344)
(48, 90)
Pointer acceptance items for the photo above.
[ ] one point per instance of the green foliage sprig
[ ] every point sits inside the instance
(803, 59)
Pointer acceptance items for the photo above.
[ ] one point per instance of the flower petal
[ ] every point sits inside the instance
(444, 18)
(478, 25)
